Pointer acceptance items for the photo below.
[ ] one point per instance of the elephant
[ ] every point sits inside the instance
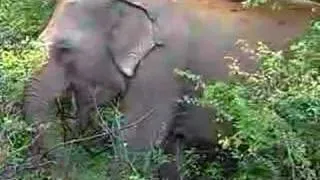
(107, 49)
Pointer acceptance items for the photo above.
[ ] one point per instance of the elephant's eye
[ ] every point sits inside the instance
(64, 46)
(60, 49)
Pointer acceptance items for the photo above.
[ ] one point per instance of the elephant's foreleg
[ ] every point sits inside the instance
(179, 155)
(172, 170)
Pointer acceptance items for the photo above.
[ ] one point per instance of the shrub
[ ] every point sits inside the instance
(20, 55)
(275, 111)
(19, 19)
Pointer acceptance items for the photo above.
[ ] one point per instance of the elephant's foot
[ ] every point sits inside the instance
(172, 170)
(36, 149)
(169, 171)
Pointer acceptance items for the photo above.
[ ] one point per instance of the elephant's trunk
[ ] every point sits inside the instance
(39, 95)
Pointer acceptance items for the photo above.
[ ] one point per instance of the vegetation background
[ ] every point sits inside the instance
(275, 111)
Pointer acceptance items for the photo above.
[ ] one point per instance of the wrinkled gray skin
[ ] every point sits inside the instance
(90, 50)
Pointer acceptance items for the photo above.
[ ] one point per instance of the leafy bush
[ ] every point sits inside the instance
(276, 111)
(21, 19)
(16, 67)
(20, 55)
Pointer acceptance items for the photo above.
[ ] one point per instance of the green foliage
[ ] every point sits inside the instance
(254, 3)
(19, 19)
(278, 4)
(275, 111)
(20, 55)
(130, 164)
(190, 168)
(16, 67)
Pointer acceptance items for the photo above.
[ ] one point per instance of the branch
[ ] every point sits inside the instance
(141, 119)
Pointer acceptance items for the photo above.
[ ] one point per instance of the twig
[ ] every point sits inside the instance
(138, 121)
(101, 134)
(98, 112)
(22, 167)
(39, 165)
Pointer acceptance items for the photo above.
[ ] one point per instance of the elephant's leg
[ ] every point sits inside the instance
(191, 127)
(200, 132)
(172, 170)
(172, 146)
(150, 94)
(179, 155)
(143, 136)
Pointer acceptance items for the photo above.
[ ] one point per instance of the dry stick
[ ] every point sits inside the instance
(22, 167)
(105, 128)
(97, 110)
(100, 135)
(39, 165)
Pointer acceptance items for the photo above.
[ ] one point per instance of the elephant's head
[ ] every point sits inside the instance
(96, 44)
(100, 39)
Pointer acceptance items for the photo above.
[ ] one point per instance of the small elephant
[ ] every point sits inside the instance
(106, 49)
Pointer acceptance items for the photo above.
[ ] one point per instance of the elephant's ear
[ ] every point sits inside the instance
(129, 62)
(133, 38)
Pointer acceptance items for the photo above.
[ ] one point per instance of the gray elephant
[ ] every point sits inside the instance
(106, 49)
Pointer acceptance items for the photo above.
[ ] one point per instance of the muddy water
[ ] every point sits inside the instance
(219, 23)
(263, 22)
